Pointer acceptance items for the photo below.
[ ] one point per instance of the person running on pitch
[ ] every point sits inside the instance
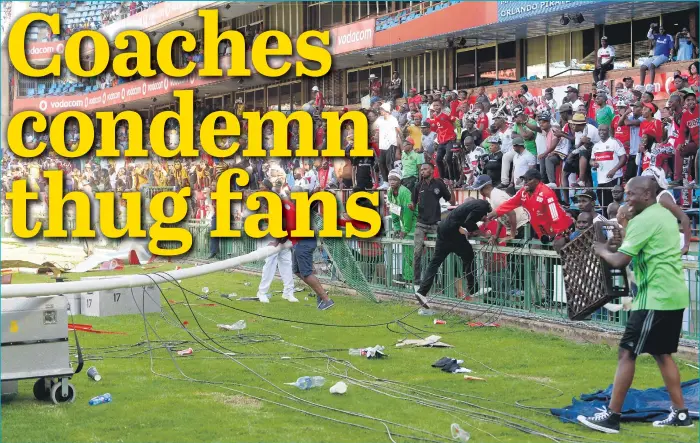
(654, 326)
(452, 238)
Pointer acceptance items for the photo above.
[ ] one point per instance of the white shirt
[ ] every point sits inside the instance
(497, 198)
(521, 163)
(607, 154)
(589, 131)
(506, 140)
(575, 105)
(606, 54)
(387, 132)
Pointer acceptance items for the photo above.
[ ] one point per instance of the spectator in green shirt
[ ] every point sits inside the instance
(403, 219)
(527, 128)
(605, 114)
(654, 326)
(410, 164)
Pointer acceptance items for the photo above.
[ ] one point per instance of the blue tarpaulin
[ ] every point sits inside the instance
(648, 405)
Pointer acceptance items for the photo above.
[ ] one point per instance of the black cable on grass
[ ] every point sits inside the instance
(514, 425)
(288, 396)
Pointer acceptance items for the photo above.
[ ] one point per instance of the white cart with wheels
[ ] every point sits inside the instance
(35, 345)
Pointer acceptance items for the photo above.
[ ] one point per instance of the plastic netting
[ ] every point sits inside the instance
(344, 261)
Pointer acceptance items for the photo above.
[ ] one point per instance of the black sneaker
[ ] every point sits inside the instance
(677, 417)
(422, 299)
(604, 421)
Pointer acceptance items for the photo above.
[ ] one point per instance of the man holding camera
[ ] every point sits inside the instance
(663, 51)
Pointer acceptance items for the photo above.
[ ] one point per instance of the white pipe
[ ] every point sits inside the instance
(130, 281)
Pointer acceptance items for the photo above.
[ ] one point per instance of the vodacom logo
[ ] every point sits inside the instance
(165, 83)
(43, 105)
(59, 48)
(123, 93)
(104, 98)
(192, 79)
(86, 103)
(144, 88)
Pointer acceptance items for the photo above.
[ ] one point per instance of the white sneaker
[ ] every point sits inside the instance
(263, 298)
(291, 298)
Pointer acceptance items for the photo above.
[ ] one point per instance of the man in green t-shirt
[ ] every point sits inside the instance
(403, 219)
(654, 326)
(605, 114)
(527, 128)
(410, 164)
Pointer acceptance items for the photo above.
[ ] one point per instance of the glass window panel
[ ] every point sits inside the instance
(640, 43)
(536, 57)
(619, 36)
(506, 61)
(362, 83)
(260, 98)
(296, 95)
(285, 98)
(559, 53)
(273, 97)
(582, 48)
(353, 90)
(466, 74)
(486, 59)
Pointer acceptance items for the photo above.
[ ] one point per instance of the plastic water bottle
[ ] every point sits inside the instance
(358, 352)
(104, 398)
(458, 433)
(423, 311)
(306, 382)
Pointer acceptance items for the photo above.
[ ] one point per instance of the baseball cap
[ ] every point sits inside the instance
(425, 124)
(587, 193)
(518, 140)
(549, 91)
(544, 115)
(494, 139)
(409, 140)
(315, 88)
(386, 107)
(480, 182)
(530, 174)
(566, 107)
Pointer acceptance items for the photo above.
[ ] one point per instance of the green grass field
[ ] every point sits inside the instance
(212, 399)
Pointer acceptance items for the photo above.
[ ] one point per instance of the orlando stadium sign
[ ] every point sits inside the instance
(514, 10)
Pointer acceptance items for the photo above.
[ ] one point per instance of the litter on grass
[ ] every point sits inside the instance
(430, 342)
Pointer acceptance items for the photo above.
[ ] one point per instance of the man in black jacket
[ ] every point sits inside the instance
(452, 238)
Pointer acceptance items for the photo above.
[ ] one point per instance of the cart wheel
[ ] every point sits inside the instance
(56, 393)
(41, 391)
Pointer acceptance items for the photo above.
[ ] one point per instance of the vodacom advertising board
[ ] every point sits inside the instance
(39, 52)
(353, 37)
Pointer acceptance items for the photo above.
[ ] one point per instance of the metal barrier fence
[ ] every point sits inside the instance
(523, 277)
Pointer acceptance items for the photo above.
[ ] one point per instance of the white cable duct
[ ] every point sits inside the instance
(130, 281)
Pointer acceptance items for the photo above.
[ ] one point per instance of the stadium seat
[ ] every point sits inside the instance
(496, 83)
(30, 92)
(41, 90)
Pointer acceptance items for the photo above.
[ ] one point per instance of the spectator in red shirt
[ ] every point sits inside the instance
(444, 124)
(687, 141)
(414, 97)
(319, 102)
(482, 121)
(693, 71)
(547, 217)
(650, 125)
(622, 134)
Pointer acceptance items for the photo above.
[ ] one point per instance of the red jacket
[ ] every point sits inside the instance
(546, 215)
(445, 127)
(689, 122)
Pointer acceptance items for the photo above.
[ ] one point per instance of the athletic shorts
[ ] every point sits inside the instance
(653, 332)
(656, 60)
(303, 257)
